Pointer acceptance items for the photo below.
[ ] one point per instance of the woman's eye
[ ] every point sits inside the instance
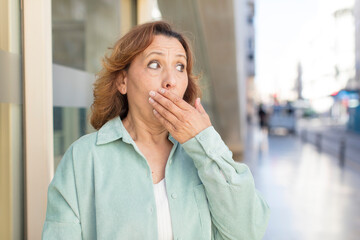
(153, 65)
(180, 67)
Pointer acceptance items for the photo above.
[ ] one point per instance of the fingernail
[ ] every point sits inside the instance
(152, 93)
(162, 90)
(154, 111)
(151, 100)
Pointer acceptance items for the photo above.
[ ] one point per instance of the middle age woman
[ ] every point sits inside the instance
(156, 168)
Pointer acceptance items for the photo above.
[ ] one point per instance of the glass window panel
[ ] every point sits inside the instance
(11, 123)
(83, 30)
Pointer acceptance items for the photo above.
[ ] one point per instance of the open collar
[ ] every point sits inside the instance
(110, 131)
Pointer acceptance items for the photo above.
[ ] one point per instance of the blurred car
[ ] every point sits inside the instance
(282, 117)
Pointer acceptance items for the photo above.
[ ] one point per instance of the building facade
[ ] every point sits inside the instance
(357, 43)
(327, 59)
(250, 61)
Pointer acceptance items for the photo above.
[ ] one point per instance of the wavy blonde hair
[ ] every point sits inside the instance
(108, 101)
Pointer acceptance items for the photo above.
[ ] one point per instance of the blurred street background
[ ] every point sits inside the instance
(280, 81)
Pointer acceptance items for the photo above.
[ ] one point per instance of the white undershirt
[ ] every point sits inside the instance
(163, 211)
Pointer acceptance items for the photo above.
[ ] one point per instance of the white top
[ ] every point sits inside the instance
(163, 211)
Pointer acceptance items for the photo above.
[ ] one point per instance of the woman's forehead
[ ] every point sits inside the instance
(165, 45)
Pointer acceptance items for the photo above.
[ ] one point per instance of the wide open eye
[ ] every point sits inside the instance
(153, 65)
(180, 67)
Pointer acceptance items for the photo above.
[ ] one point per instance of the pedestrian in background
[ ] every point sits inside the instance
(156, 168)
(263, 117)
(264, 127)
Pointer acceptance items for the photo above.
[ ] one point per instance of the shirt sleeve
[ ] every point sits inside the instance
(237, 209)
(62, 213)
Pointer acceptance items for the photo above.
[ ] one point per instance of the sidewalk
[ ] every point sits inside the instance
(310, 196)
(331, 138)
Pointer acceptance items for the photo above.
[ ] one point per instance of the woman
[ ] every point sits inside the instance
(156, 168)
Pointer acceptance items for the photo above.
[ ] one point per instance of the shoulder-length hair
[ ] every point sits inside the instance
(108, 101)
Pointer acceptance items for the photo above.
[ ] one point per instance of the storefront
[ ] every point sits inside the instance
(50, 52)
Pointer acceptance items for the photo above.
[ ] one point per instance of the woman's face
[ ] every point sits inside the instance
(161, 65)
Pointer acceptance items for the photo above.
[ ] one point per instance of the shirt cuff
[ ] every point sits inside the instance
(205, 145)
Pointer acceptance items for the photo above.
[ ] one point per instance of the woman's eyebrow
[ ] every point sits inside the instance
(162, 54)
(156, 53)
(181, 55)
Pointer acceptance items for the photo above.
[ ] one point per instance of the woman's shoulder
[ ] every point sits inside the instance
(94, 143)
(86, 141)
(82, 147)
(79, 153)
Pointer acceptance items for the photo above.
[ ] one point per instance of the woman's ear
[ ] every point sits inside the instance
(121, 82)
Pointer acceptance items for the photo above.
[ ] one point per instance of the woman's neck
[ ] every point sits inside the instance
(143, 130)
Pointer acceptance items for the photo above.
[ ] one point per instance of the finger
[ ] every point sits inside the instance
(178, 101)
(163, 121)
(169, 116)
(166, 103)
(199, 106)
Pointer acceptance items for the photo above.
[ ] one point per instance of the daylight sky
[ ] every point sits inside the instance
(280, 24)
(289, 31)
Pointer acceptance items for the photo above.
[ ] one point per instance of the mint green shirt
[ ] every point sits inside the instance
(103, 189)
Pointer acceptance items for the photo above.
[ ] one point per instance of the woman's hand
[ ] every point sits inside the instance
(181, 119)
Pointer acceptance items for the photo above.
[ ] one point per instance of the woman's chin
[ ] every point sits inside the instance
(154, 119)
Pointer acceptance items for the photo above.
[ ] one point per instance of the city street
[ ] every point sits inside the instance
(311, 197)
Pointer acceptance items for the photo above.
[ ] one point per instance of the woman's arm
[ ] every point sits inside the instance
(237, 209)
(62, 214)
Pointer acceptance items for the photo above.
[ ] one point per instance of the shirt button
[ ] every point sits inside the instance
(174, 195)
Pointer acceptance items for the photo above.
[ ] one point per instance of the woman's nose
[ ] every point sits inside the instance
(169, 79)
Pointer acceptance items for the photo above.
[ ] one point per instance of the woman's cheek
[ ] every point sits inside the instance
(183, 80)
